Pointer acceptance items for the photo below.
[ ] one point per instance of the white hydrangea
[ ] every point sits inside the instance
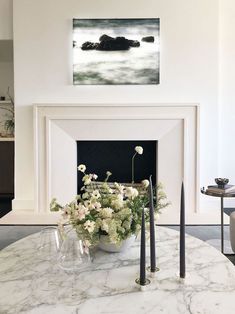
(105, 225)
(106, 212)
(117, 203)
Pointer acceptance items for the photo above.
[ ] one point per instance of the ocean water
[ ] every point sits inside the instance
(138, 65)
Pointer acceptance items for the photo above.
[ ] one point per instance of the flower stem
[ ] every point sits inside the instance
(133, 168)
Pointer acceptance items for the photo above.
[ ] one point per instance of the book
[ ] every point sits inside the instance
(228, 188)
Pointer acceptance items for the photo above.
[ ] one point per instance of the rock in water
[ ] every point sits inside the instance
(105, 37)
(89, 45)
(148, 39)
(108, 43)
(134, 43)
(118, 43)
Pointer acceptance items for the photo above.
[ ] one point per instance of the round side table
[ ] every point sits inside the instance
(222, 196)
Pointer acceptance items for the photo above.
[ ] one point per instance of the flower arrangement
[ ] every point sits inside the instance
(110, 209)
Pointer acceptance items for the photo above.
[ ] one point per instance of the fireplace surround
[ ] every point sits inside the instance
(59, 126)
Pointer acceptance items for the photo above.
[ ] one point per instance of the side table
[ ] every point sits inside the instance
(222, 196)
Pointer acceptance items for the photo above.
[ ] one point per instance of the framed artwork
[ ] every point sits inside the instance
(116, 51)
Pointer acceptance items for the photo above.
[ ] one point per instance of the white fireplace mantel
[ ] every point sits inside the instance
(58, 127)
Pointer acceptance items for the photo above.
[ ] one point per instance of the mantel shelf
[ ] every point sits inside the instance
(7, 139)
(5, 102)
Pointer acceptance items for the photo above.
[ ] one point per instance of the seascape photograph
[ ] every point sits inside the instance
(116, 51)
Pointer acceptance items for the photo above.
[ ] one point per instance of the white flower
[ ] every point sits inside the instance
(119, 187)
(87, 203)
(94, 176)
(108, 173)
(97, 206)
(145, 183)
(117, 203)
(82, 168)
(105, 226)
(89, 226)
(87, 182)
(131, 192)
(139, 150)
(82, 212)
(85, 195)
(66, 211)
(95, 194)
(106, 212)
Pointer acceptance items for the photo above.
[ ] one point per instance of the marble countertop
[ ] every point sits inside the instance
(30, 285)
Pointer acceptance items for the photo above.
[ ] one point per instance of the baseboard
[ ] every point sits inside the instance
(29, 218)
(23, 205)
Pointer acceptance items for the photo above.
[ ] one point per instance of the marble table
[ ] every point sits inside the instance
(30, 285)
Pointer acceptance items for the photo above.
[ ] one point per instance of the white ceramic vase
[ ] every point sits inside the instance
(106, 246)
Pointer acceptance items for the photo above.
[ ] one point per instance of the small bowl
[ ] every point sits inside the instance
(221, 182)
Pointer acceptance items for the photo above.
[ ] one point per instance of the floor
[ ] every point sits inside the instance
(10, 234)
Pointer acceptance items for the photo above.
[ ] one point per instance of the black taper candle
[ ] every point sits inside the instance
(182, 234)
(142, 280)
(152, 228)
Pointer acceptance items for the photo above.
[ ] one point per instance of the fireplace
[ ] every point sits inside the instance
(60, 128)
(116, 157)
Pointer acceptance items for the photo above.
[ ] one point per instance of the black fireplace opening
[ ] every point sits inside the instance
(116, 157)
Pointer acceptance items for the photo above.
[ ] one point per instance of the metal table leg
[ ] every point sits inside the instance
(222, 224)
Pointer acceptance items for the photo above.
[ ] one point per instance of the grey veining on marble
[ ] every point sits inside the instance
(30, 285)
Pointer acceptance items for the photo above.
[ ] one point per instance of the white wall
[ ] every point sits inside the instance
(43, 68)
(6, 31)
(227, 89)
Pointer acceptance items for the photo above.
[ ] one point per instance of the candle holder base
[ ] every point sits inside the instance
(143, 286)
(182, 279)
(152, 273)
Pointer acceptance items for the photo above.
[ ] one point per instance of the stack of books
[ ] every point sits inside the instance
(226, 189)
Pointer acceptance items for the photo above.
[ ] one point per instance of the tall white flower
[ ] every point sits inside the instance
(89, 226)
(139, 150)
(145, 183)
(82, 168)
